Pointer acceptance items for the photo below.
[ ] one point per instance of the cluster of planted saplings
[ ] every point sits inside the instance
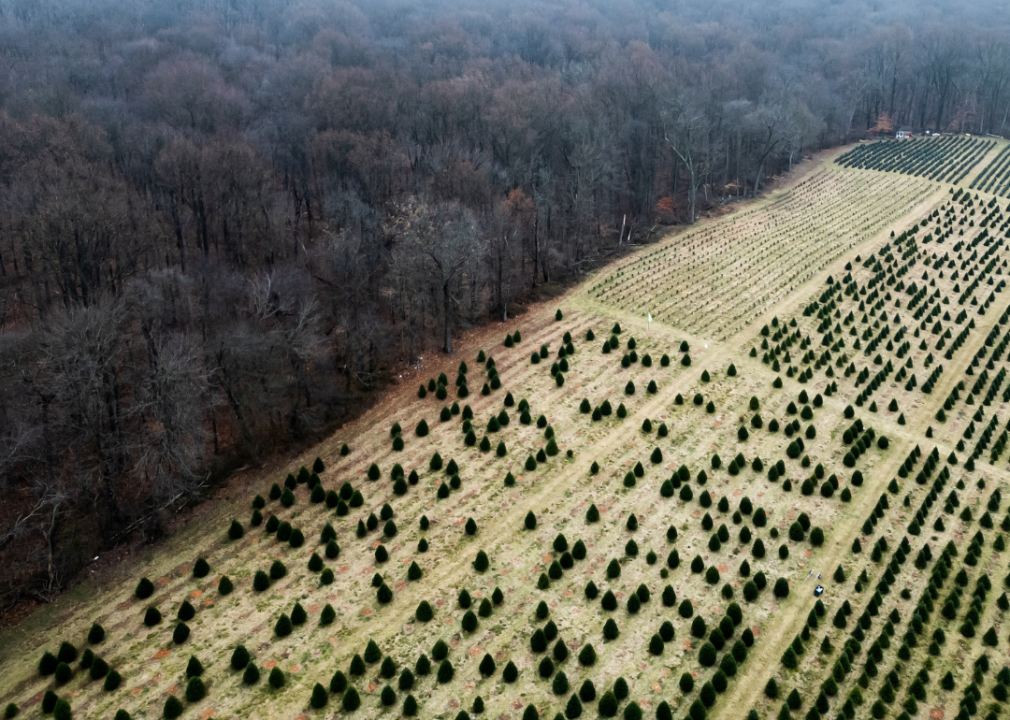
(858, 438)
(838, 305)
(830, 314)
(91, 664)
(851, 692)
(552, 659)
(68, 663)
(438, 387)
(341, 502)
(60, 666)
(995, 177)
(947, 159)
(469, 426)
(716, 280)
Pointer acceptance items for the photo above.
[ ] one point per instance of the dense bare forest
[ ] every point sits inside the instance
(224, 222)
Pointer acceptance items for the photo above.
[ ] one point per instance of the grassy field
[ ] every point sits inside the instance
(803, 317)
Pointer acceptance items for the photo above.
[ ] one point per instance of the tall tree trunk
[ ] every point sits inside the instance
(692, 192)
(536, 247)
(236, 406)
(739, 147)
(446, 315)
(757, 177)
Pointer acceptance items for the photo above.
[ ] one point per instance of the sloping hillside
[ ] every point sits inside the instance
(599, 515)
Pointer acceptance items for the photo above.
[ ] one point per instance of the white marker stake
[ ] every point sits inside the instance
(650, 321)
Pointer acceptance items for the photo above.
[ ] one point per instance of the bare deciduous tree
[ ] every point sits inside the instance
(441, 241)
(170, 457)
(685, 128)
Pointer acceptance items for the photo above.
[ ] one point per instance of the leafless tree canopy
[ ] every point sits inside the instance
(222, 224)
